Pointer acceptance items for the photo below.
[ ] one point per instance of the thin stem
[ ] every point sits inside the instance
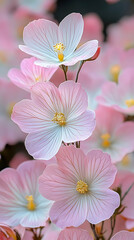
(64, 68)
(113, 221)
(127, 192)
(77, 144)
(94, 231)
(77, 75)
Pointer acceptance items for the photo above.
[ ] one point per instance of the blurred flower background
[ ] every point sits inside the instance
(110, 22)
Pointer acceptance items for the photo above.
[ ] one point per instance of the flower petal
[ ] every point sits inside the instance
(79, 128)
(41, 35)
(71, 212)
(74, 234)
(70, 32)
(102, 171)
(44, 144)
(55, 184)
(86, 51)
(102, 205)
(74, 99)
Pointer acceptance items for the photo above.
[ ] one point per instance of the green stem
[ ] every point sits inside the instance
(94, 231)
(64, 68)
(77, 75)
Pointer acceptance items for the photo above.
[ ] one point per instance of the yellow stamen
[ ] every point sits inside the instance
(126, 161)
(31, 204)
(129, 102)
(114, 71)
(59, 118)
(105, 140)
(37, 79)
(61, 57)
(82, 187)
(10, 108)
(59, 48)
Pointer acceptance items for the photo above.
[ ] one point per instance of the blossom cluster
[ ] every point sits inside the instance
(72, 103)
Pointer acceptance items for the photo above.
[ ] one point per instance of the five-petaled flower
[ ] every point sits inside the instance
(54, 45)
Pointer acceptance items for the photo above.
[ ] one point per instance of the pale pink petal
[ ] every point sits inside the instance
(40, 36)
(101, 205)
(47, 96)
(80, 128)
(86, 51)
(32, 71)
(18, 78)
(123, 235)
(44, 144)
(74, 99)
(101, 171)
(70, 31)
(73, 161)
(74, 234)
(56, 184)
(30, 117)
(70, 212)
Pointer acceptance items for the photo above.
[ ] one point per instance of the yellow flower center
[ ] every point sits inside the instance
(129, 102)
(126, 161)
(37, 79)
(114, 71)
(31, 204)
(59, 48)
(105, 140)
(59, 118)
(82, 187)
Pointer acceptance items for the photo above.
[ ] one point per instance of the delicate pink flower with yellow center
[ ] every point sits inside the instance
(54, 45)
(112, 135)
(30, 74)
(52, 116)
(20, 201)
(119, 96)
(79, 185)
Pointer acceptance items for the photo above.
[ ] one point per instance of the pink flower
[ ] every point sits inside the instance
(79, 185)
(20, 201)
(112, 135)
(120, 97)
(123, 235)
(74, 234)
(121, 34)
(54, 45)
(52, 116)
(30, 74)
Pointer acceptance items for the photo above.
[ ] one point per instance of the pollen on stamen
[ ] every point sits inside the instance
(105, 140)
(114, 71)
(59, 48)
(59, 118)
(129, 102)
(31, 204)
(82, 187)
